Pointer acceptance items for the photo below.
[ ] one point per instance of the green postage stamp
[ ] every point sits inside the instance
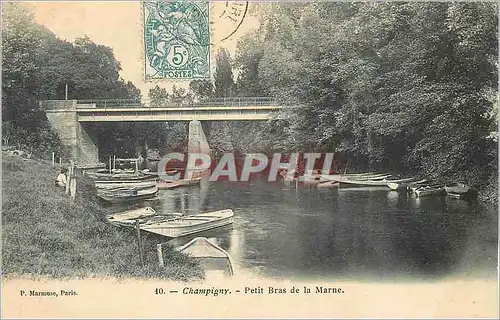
(176, 40)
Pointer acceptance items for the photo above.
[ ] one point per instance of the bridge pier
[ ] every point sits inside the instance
(78, 139)
(197, 141)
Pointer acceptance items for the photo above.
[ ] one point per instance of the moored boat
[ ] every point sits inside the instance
(413, 187)
(354, 177)
(429, 191)
(327, 184)
(131, 214)
(118, 176)
(373, 182)
(404, 185)
(212, 258)
(457, 190)
(186, 225)
(162, 185)
(127, 185)
(127, 195)
(178, 183)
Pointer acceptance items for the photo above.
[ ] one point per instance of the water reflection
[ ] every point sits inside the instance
(342, 233)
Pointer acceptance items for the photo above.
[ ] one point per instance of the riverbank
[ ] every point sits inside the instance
(45, 233)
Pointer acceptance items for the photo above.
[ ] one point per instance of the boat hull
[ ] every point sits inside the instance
(121, 197)
(429, 192)
(177, 183)
(328, 184)
(210, 256)
(180, 227)
(382, 182)
(181, 232)
(403, 185)
(457, 189)
(456, 195)
(115, 186)
(131, 215)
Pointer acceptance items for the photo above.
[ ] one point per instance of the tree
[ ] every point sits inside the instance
(201, 89)
(224, 83)
(398, 86)
(181, 96)
(248, 56)
(158, 97)
(38, 66)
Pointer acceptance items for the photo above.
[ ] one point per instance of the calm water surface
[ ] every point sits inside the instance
(343, 233)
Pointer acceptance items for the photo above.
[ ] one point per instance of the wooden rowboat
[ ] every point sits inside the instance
(382, 182)
(429, 191)
(404, 185)
(457, 190)
(178, 183)
(328, 184)
(127, 218)
(127, 195)
(212, 258)
(128, 185)
(162, 185)
(347, 177)
(131, 215)
(117, 176)
(186, 225)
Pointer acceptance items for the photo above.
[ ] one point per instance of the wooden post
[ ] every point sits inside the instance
(160, 255)
(139, 242)
(183, 204)
(53, 159)
(60, 161)
(109, 168)
(68, 179)
(114, 162)
(66, 93)
(72, 185)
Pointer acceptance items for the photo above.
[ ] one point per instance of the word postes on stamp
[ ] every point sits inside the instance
(176, 40)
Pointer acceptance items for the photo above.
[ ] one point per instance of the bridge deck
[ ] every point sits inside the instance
(124, 110)
(177, 114)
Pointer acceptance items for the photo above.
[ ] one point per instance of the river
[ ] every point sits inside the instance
(343, 233)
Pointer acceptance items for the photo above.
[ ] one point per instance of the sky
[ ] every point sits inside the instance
(119, 25)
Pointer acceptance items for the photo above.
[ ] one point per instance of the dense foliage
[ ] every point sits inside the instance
(36, 65)
(401, 86)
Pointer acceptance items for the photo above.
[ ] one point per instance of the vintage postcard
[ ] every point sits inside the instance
(232, 159)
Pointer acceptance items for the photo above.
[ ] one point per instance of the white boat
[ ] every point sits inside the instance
(382, 182)
(186, 225)
(131, 215)
(327, 184)
(118, 182)
(126, 185)
(414, 187)
(212, 258)
(127, 195)
(457, 190)
(354, 177)
(403, 185)
(429, 190)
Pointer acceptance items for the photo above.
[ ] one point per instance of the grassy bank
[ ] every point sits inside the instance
(45, 233)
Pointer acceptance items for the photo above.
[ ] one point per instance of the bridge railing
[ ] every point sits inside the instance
(147, 103)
